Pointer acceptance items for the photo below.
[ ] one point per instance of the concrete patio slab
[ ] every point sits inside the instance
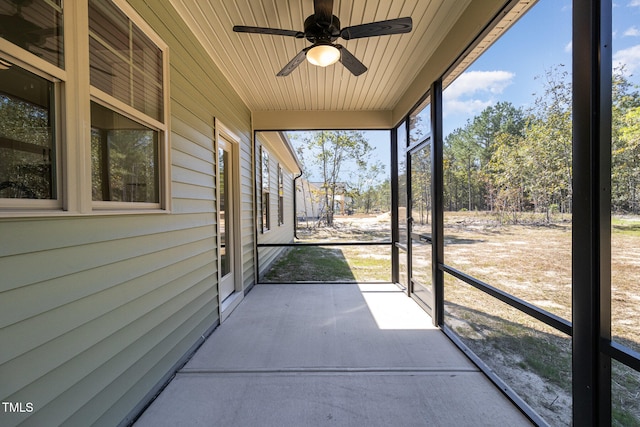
(314, 355)
(285, 326)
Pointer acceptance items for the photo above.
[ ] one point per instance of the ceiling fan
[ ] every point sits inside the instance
(323, 29)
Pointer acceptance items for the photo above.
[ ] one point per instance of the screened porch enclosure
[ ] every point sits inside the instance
(507, 269)
(177, 248)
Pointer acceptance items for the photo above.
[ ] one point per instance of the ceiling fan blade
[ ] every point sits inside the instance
(293, 64)
(323, 10)
(350, 62)
(272, 31)
(380, 28)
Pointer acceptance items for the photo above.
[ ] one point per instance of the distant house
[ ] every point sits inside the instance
(309, 200)
(342, 202)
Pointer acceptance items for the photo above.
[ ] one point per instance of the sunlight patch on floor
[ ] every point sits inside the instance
(392, 309)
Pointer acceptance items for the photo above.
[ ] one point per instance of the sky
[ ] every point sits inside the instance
(539, 41)
(508, 70)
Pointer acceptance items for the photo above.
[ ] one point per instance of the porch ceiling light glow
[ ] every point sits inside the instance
(323, 55)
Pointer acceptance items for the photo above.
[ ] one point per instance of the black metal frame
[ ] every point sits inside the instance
(394, 225)
(437, 205)
(591, 246)
(544, 316)
(593, 349)
(286, 245)
(395, 197)
(429, 304)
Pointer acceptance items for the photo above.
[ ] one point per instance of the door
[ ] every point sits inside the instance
(226, 223)
(419, 203)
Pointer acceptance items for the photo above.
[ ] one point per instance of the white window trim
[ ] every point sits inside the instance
(110, 102)
(41, 68)
(31, 62)
(73, 94)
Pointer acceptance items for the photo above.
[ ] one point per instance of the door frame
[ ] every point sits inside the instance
(412, 150)
(231, 302)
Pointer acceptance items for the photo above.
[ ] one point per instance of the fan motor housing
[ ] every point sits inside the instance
(316, 31)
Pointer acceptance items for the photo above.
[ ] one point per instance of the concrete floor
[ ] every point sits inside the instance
(329, 355)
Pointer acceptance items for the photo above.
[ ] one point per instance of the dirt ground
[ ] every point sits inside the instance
(531, 261)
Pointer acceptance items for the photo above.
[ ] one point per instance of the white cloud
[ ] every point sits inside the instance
(468, 108)
(568, 47)
(634, 3)
(629, 57)
(473, 91)
(632, 32)
(473, 82)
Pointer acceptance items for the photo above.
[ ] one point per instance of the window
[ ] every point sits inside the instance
(126, 96)
(35, 26)
(265, 189)
(280, 196)
(29, 104)
(27, 135)
(127, 109)
(124, 157)
(124, 62)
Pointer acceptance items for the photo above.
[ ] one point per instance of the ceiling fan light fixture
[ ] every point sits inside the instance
(323, 55)
(322, 28)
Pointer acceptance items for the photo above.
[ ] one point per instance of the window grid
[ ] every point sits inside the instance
(146, 56)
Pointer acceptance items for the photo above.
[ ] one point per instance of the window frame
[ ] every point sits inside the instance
(162, 127)
(57, 77)
(73, 94)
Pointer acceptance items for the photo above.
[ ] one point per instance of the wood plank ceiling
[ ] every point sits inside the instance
(250, 61)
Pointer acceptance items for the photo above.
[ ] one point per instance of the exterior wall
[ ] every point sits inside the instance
(98, 309)
(278, 233)
(309, 202)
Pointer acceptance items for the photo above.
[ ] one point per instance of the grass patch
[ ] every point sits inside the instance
(366, 268)
(311, 263)
(623, 418)
(547, 360)
(528, 355)
(626, 226)
(548, 356)
(331, 264)
(625, 395)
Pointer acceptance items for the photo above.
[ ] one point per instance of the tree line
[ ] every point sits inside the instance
(512, 160)
(507, 160)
